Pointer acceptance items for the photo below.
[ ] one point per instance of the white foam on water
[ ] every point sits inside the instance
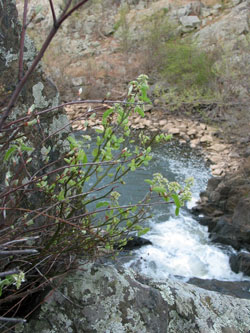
(181, 247)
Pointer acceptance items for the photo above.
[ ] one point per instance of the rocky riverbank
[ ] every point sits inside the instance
(222, 156)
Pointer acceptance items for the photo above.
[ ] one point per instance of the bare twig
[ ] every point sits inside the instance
(25, 10)
(10, 253)
(19, 241)
(13, 320)
(53, 12)
(13, 271)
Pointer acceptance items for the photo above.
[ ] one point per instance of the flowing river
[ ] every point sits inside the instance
(181, 246)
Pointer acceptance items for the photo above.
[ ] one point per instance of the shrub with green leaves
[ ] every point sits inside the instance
(81, 197)
(184, 65)
(80, 215)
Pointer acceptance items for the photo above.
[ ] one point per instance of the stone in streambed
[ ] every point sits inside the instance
(240, 263)
(135, 242)
(239, 289)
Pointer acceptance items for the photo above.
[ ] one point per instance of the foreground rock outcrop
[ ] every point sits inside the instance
(99, 298)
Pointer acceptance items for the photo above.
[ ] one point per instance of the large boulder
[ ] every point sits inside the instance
(103, 299)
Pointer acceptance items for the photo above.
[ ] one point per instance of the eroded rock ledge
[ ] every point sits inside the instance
(103, 299)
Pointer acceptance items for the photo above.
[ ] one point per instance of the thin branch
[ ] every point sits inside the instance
(10, 253)
(13, 271)
(65, 15)
(25, 10)
(53, 12)
(66, 8)
(13, 320)
(19, 240)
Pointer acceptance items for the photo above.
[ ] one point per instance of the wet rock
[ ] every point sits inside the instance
(135, 242)
(237, 289)
(228, 234)
(240, 263)
(241, 216)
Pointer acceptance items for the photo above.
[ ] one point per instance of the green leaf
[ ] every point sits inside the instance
(130, 89)
(95, 152)
(176, 200)
(140, 111)
(143, 231)
(73, 142)
(168, 137)
(149, 181)
(9, 152)
(159, 189)
(82, 156)
(60, 196)
(26, 148)
(166, 199)
(177, 211)
(107, 113)
(99, 131)
(102, 204)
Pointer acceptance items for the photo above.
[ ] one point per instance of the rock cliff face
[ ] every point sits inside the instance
(105, 299)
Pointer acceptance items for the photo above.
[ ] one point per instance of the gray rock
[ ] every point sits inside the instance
(184, 11)
(241, 216)
(236, 2)
(104, 299)
(240, 263)
(190, 21)
(225, 30)
(238, 289)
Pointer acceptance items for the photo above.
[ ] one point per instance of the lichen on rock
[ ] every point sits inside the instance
(104, 298)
